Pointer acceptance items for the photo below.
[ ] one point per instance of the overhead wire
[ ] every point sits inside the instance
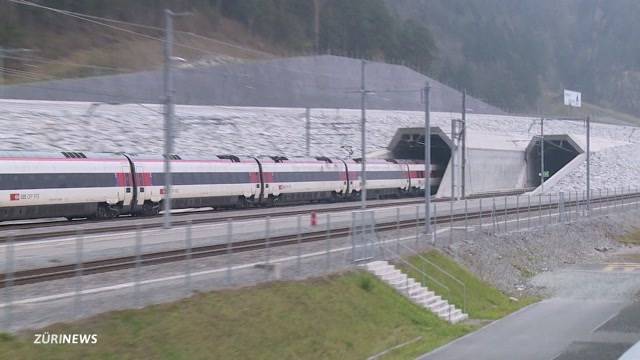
(113, 27)
(103, 21)
(157, 28)
(93, 19)
(44, 60)
(77, 90)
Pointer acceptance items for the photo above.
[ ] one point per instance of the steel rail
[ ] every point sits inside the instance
(32, 276)
(120, 224)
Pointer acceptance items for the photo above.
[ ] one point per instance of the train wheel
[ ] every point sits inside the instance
(150, 209)
(102, 212)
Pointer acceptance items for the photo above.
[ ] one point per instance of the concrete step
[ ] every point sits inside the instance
(444, 312)
(459, 318)
(435, 306)
(386, 271)
(432, 300)
(411, 289)
(422, 296)
(377, 264)
(393, 277)
(415, 291)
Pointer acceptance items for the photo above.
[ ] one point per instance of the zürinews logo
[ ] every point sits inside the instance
(60, 339)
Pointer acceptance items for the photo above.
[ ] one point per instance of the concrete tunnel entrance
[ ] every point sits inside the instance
(408, 144)
(559, 150)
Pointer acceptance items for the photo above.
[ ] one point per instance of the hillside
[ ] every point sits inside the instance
(256, 28)
(517, 55)
(521, 54)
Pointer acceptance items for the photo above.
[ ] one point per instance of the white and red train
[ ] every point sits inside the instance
(93, 185)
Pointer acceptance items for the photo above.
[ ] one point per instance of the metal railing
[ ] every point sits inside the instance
(441, 270)
(226, 254)
(421, 272)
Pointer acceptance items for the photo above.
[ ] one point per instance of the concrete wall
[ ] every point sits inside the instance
(316, 82)
(488, 170)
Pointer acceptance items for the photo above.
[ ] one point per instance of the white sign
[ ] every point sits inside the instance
(572, 98)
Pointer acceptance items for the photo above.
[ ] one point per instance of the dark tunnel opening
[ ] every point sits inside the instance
(411, 147)
(558, 152)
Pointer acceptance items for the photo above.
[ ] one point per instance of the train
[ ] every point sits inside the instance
(72, 184)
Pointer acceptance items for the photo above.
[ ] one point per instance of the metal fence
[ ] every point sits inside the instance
(76, 277)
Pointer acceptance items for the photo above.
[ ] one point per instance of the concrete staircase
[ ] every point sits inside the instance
(417, 293)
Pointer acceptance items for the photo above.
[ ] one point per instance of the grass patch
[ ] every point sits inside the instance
(632, 238)
(483, 300)
(350, 316)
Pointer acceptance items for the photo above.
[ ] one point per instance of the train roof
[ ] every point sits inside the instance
(307, 160)
(176, 157)
(58, 155)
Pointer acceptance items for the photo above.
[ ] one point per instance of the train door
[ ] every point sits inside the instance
(143, 185)
(125, 185)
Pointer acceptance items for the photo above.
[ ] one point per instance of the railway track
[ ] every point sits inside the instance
(61, 228)
(121, 263)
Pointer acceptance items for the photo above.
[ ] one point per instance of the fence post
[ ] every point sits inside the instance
(451, 221)
(559, 208)
(506, 214)
(568, 203)
(353, 239)
(77, 311)
(550, 209)
(480, 214)
(398, 230)
(435, 222)
(578, 209)
(529, 212)
(466, 225)
(493, 215)
(328, 241)
(229, 260)
(267, 244)
(136, 281)
(417, 225)
(188, 258)
(298, 244)
(540, 219)
(517, 212)
(8, 283)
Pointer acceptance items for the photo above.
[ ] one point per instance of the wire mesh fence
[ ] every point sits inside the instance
(80, 276)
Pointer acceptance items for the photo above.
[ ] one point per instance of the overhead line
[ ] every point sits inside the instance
(57, 62)
(94, 19)
(83, 17)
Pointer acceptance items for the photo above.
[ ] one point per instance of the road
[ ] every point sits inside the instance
(592, 315)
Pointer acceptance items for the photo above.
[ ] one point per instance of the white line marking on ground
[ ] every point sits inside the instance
(182, 276)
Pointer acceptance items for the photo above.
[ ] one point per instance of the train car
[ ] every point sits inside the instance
(294, 180)
(416, 176)
(63, 184)
(222, 181)
(385, 178)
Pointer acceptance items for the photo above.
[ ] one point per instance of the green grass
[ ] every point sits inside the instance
(483, 300)
(632, 238)
(349, 316)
